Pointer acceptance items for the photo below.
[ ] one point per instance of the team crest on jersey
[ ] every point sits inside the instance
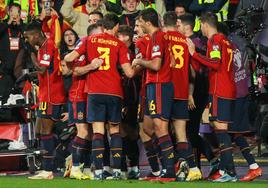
(46, 57)
(137, 50)
(80, 115)
(215, 48)
(156, 48)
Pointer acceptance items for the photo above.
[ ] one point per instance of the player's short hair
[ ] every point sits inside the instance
(170, 18)
(92, 27)
(96, 12)
(34, 26)
(126, 30)
(150, 15)
(110, 21)
(209, 18)
(187, 19)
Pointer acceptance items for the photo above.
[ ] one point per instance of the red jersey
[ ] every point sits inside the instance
(140, 53)
(106, 80)
(51, 87)
(219, 59)
(76, 92)
(157, 48)
(180, 73)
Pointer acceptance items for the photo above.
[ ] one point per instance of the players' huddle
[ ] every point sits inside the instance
(120, 93)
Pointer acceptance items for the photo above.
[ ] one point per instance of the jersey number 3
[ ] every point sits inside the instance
(105, 55)
(178, 52)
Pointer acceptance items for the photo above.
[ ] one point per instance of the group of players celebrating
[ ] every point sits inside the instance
(159, 77)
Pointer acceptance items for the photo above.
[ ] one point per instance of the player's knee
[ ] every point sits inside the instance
(114, 128)
(147, 130)
(160, 130)
(82, 132)
(98, 128)
(220, 126)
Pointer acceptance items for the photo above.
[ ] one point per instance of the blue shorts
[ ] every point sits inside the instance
(241, 122)
(220, 109)
(141, 109)
(159, 99)
(77, 112)
(180, 110)
(49, 111)
(104, 108)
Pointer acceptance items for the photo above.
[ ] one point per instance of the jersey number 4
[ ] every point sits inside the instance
(105, 55)
(178, 52)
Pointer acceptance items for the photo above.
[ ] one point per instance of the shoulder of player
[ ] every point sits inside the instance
(143, 40)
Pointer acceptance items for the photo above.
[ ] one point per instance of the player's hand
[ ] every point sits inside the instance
(64, 116)
(191, 46)
(191, 104)
(97, 62)
(136, 62)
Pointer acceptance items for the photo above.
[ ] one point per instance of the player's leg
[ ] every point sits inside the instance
(237, 129)
(150, 148)
(114, 108)
(47, 114)
(180, 116)
(221, 115)
(77, 116)
(254, 168)
(96, 114)
(160, 98)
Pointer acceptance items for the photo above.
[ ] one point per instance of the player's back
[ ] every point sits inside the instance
(106, 80)
(180, 72)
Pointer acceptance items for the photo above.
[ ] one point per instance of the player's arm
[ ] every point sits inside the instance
(95, 63)
(212, 62)
(70, 57)
(79, 50)
(39, 68)
(44, 61)
(124, 59)
(154, 64)
(191, 102)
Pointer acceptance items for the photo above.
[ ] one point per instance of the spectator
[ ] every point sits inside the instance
(79, 20)
(52, 24)
(130, 12)
(94, 17)
(180, 9)
(158, 5)
(11, 38)
(92, 5)
(114, 6)
(3, 10)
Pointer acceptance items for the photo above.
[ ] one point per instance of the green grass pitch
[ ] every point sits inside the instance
(23, 182)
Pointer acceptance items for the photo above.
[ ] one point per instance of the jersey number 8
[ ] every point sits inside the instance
(178, 52)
